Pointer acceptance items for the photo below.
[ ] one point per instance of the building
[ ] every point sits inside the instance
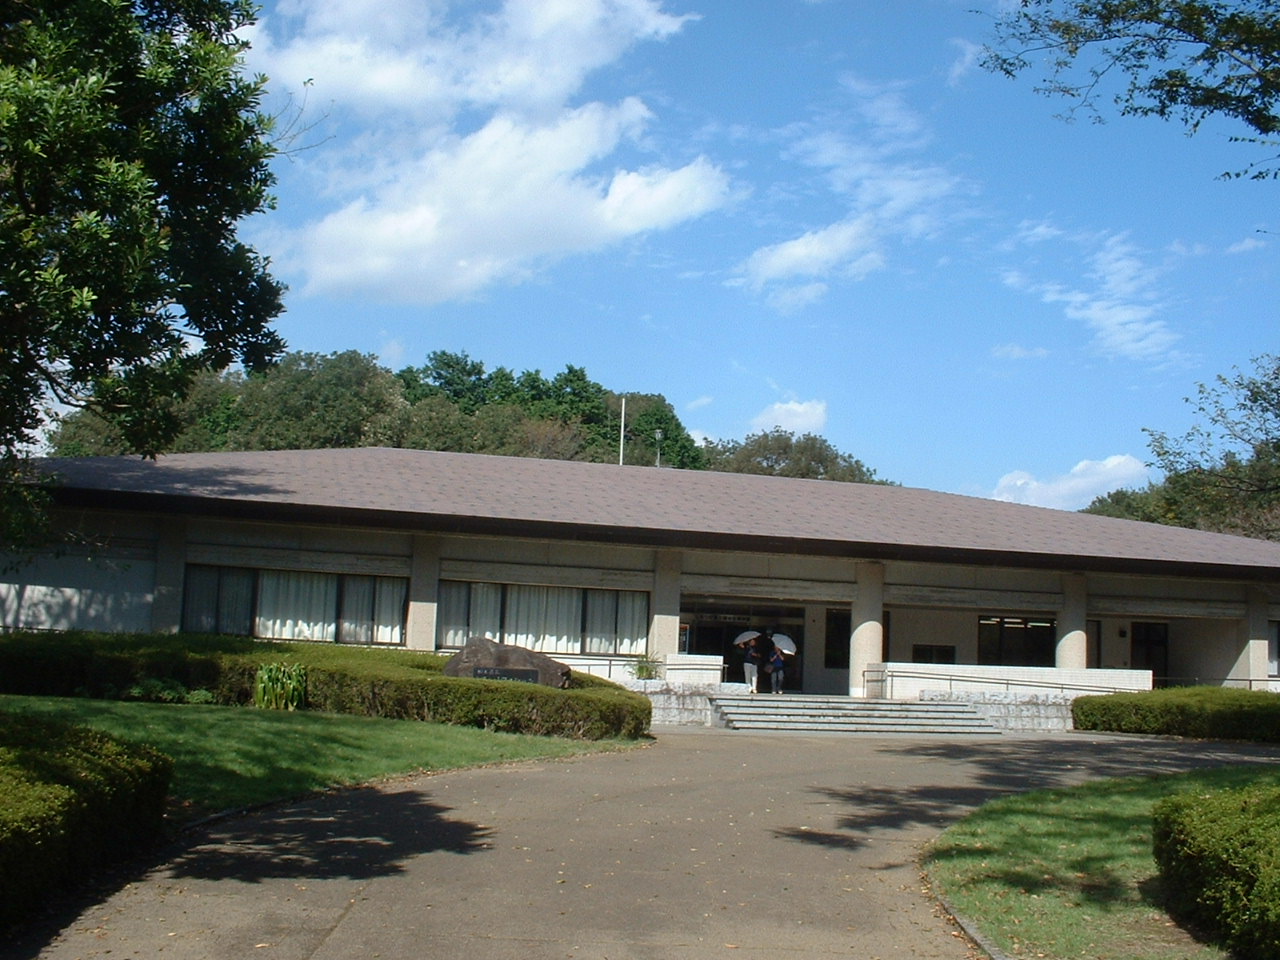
(887, 591)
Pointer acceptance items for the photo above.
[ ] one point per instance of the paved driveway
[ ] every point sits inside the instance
(704, 844)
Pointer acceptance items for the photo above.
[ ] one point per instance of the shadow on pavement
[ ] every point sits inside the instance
(356, 834)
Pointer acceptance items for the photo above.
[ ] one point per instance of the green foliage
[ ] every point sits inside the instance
(1068, 873)
(1219, 859)
(396, 684)
(1182, 59)
(1217, 713)
(74, 799)
(781, 453)
(131, 145)
(311, 401)
(280, 686)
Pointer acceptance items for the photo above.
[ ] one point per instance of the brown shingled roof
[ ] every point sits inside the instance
(418, 490)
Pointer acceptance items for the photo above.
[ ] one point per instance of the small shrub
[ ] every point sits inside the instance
(1219, 860)
(74, 799)
(280, 686)
(1215, 713)
(646, 668)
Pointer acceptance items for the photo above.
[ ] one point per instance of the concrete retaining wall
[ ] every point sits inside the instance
(683, 704)
(1014, 711)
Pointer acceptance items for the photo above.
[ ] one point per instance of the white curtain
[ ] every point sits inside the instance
(485, 619)
(389, 610)
(1273, 653)
(235, 600)
(451, 614)
(200, 600)
(602, 621)
(297, 606)
(633, 622)
(357, 610)
(547, 619)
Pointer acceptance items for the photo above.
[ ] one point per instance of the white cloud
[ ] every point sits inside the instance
(460, 164)
(1076, 489)
(1121, 307)
(1247, 245)
(887, 195)
(848, 245)
(807, 416)
(1015, 351)
(699, 403)
(966, 60)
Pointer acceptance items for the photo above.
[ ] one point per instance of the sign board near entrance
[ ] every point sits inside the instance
(505, 673)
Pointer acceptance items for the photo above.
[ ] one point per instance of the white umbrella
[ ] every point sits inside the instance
(744, 636)
(784, 643)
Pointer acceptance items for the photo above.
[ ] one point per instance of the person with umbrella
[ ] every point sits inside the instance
(753, 655)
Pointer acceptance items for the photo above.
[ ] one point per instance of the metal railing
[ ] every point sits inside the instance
(885, 677)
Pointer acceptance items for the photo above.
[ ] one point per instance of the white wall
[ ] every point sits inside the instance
(109, 593)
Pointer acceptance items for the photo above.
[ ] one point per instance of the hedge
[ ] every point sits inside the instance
(74, 799)
(396, 684)
(1207, 713)
(1219, 863)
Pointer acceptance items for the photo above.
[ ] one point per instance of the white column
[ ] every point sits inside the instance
(867, 639)
(424, 593)
(664, 604)
(170, 577)
(1255, 632)
(1072, 652)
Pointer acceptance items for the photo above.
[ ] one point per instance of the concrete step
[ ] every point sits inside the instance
(848, 715)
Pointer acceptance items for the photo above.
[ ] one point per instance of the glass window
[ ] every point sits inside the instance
(292, 605)
(547, 619)
(1017, 642)
(1273, 649)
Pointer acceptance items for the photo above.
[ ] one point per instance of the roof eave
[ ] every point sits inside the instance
(417, 522)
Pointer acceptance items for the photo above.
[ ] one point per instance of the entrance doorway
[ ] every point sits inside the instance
(709, 625)
(1149, 650)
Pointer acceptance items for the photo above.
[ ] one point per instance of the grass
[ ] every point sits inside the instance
(1069, 873)
(231, 757)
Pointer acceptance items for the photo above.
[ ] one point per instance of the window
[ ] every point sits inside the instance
(1017, 642)
(565, 620)
(933, 653)
(294, 605)
(1273, 649)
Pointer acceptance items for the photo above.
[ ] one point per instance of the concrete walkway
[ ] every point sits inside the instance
(704, 844)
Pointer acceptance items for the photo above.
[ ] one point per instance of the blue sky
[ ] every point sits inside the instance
(817, 215)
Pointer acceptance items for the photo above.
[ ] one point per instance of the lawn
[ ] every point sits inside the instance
(231, 757)
(1069, 873)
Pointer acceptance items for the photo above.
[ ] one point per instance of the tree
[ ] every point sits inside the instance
(1224, 474)
(780, 453)
(131, 145)
(312, 401)
(1183, 59)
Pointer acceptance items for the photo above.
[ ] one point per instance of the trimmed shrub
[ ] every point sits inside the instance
(1219, 860)
(74, 799)
(1207, 713)
(397, 684)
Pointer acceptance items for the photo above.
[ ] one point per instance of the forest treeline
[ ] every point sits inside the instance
(452, 402)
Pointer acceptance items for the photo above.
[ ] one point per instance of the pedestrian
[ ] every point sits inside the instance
(752, 656)
(777, 669)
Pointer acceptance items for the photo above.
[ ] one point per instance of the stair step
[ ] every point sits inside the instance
(849, 715)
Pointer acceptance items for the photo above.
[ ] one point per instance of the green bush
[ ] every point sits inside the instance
(74, 799)
(1219, 860)
(397, 684)
(280, 686)
(1209, 713)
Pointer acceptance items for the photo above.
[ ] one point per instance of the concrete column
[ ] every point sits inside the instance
(424, 593)
(1255, 634)
(170, 577)
(1073, 624)
(664, 604)
(815, 645)
(867, 640)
